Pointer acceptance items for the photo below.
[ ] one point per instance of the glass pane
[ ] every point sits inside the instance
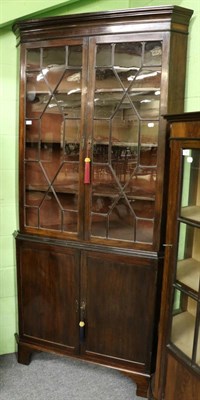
(107, 78)
(50, 215)
(190, 201)
(146, 104)
(38, 96)
(188, 264)
(147, 78)
(32, 132)
(53, 57)
(183, 323)
(144, 230)
(67, 178)
(74, 56)
(32, 217)
(153, 53)
(32, 151)
(70, 84)
(110, 216)
(69, 104)
(33, 59)
(142, 184)
(101, 137)
(104, 55)
(128, 55)
(149, 131)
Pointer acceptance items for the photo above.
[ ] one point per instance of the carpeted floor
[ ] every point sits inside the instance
(51, 377)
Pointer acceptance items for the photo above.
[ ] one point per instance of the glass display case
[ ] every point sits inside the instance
(179, 347)
(185, 329)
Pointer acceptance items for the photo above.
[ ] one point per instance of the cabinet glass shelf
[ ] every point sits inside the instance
(191, 213)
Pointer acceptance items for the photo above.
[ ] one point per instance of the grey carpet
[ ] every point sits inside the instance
(51, 377)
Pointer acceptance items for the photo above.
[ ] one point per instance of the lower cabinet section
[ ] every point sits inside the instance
(118, 295)
(48, 295)
(100, 306)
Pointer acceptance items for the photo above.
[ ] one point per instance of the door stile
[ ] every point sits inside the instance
(89, 134)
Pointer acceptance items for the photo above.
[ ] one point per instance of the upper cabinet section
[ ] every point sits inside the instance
(92, 137)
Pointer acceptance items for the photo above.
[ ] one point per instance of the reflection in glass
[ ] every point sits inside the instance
(188, 264)
(70, 83)
(75, 56)
(50, 215)
(146, 104)
(144, 230)
(104, 55)
(147, 78)
(32, 131)
(33, 59)
(183, 323)
(190, 200)
(53, 56)
(71, 136)
(32, 151)
(32, 217)
(149, 131)
(53, 112)
(128, 55)
(153, 53)
(125, 140)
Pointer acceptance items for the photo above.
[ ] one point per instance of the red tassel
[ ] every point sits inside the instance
(87, 170)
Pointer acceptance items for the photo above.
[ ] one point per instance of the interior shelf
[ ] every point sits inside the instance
(191, 212)
(188, 273)
(183, 333)
(147, 146)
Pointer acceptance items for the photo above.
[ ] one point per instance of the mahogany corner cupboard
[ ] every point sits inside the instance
(93, 180)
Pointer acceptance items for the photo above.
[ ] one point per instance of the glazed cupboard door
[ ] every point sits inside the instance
(53, 80)
(48, 297)
(123, 137)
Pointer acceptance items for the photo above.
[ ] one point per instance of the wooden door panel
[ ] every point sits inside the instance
(181, 384)
(49, 294)
(119, 293)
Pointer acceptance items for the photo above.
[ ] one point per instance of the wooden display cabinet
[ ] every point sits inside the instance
(92, 182)
(178, 369)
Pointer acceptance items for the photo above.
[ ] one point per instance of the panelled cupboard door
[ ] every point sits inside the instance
(117, 310)
(93, 139)
(48, 296)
